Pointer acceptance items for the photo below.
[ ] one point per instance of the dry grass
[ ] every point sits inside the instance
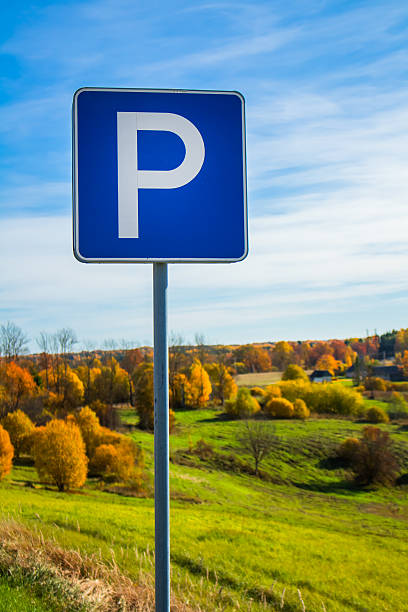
(72, 581)
(260, 379)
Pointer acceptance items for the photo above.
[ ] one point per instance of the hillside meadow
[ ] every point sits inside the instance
(301, 537)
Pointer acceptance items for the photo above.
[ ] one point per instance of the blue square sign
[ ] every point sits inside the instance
(159, 176)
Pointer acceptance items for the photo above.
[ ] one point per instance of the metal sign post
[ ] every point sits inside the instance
(159, 176)
(161, 439)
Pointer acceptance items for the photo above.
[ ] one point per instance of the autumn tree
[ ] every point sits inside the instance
(131, 360)
(255, 358)
(327, 362)
(67, 390)
(144, 395)
(401, 340)
(282, 354)
(223, 385)
(20, 428)
(258, 439)
(59, 454)
(178, 363)
(90, 428)
(200, 386)
(17, 383)
(44, 343)
(6, 453)
(111, 385)
(13, 341)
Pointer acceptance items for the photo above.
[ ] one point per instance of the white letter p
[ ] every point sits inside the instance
(131, 179)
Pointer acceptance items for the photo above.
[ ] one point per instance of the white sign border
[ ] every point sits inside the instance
(75, 203)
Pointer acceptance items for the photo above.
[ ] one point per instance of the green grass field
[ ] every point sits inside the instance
(239, 542)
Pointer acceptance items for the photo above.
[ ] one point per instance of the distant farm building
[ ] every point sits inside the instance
(391, 372)
(321, 376)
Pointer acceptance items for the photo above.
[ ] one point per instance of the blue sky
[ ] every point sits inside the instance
(327, 143)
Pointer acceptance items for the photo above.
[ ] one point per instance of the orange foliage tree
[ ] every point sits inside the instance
(19, 427)
(59, 454)
(17, 383)
(6, 453)
(255, 358)
(327, 362)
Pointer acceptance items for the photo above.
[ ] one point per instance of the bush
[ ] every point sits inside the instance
(294, 372)
(258, 392)
(300, 410)
(376, 414)
(203, 449)
(243, 405)
(347, 449)
(374, 383)
(272, 391)
(59, 454)
(398, 406)
(374, 461)
(295, 389)
(118, 461)
(6, 453)
(279, 408)
(19, 427)
(334, 399)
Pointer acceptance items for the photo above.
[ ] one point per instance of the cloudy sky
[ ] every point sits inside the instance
(326, 94)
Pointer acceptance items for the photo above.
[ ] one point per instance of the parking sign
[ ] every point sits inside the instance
(159, 176)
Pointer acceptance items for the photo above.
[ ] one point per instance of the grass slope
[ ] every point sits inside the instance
(238, 542)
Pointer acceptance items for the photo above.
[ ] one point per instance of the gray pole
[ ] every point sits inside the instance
(161, 439)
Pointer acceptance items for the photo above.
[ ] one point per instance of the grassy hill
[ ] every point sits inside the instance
(299, 538)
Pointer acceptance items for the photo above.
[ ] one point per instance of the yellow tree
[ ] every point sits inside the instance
(67, 388)
(144, 395)
(20, 427)
(91, 429)
(223, 385)
(200, 385)
(59, 454)
(6, 453)
(283, 354)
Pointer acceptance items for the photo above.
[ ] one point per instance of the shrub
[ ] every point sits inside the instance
(376, 414)
(243, 405)
(374, 461)
(19, 427)
(333, 399)
(348, 449)
(118, 461)
(59, 454)
(279, 408)
(271, 392)
(300, 410)
(6, 453)
(258, 392)
(294, 389)
(398, 406)
(203, 449)
(374, 383)
(294, 372)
